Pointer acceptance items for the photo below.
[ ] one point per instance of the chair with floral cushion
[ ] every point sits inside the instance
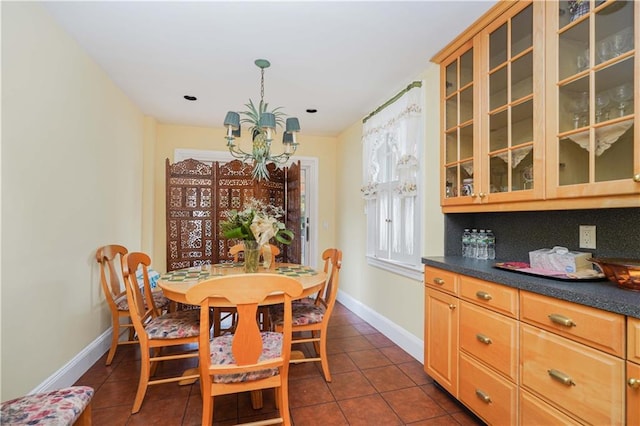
(66, 406)
(110, 259)
(156, 331)
(313, 315)
(249, 359)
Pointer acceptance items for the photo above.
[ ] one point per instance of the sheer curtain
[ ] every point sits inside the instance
(392, 139)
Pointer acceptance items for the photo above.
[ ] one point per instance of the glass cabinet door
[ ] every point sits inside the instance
(594, 143)
(513, 73)
(459, 127)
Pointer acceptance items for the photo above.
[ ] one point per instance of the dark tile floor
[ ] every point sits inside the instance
(374, 383)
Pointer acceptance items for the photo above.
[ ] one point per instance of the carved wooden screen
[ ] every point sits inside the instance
(294, 250)
(198, 197)
(190, 232)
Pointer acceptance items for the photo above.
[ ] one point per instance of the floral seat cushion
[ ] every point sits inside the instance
(159, 299)
(221, 355)
(59, 407)
(301, 313)
(174, 325)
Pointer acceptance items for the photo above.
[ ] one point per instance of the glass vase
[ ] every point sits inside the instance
(251, 256)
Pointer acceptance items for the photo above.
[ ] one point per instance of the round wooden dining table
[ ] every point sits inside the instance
(175, 284)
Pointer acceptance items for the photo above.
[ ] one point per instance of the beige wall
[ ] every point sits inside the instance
(397, 298)
(169, 137)
(71, 181)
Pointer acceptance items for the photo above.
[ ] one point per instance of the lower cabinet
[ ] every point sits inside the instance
(633, 371)
(441, 339)
(519, 358)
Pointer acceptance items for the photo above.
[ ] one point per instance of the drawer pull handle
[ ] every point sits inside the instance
(438, 281)
(452, 307)
(562, 320)
(561, 377)
(483, 295)
(634, 383)
(484, 339)
(483, 396)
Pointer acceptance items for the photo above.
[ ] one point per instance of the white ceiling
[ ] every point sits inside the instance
(342, 58)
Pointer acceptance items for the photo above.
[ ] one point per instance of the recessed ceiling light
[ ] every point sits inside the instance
(312, 110)
(190, 98)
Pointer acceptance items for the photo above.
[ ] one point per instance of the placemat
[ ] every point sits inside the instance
(177, 276)
(296, 271)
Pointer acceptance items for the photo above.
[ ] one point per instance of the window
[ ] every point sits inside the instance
(392, 137)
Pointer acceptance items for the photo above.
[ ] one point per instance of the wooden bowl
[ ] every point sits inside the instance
(623, 272)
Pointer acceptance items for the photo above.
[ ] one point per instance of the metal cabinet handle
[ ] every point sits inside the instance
(483, 295)
(452, 307)
(438, 281)
(484, 397)
(634, 383)
(561, 377)
(482, 195)
(484, 339)
(636, 178)
(562, 320)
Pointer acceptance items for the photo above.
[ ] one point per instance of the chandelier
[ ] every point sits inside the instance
(262, 127)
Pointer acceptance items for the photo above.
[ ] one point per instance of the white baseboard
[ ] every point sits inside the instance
(401, 337)
(78, 365)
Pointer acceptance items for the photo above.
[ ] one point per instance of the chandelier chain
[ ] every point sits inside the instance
(261, 85)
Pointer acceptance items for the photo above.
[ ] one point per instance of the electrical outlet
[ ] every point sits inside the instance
(588, 236)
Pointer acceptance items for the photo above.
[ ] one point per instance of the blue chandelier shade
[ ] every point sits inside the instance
(267, 120)
(232, 119)
(293, 125)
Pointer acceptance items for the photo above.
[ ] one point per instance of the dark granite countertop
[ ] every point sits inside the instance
(603, 295)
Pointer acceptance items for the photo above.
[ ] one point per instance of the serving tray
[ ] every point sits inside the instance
(524, 268)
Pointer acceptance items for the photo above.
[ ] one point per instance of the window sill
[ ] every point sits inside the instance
(409, 271)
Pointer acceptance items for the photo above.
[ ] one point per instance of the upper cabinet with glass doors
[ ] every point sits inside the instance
(512, 141)
(593, 144)
(539, 101)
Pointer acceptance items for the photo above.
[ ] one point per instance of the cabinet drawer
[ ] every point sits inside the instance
(534, 411)
(633, 339)
(487, 394)
(490, 295)
(570, 376)
(593, 327)
(490, 337)
(442, 280)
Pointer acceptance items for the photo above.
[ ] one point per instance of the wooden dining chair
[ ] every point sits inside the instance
(311, 317)
(110, 259)
(156, 331)
(249, 359)
(224, 319)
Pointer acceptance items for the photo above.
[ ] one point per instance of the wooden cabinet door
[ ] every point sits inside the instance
(633, 393)
(441, 339)
(593, 142)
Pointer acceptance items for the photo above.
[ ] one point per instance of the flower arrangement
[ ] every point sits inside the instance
(257, 222)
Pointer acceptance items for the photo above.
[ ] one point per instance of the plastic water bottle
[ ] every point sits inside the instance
(466, 241)
(482, 245)
(473, 244)
(491, 245)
